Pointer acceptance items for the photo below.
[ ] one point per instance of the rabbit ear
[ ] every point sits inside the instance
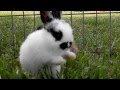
(57, 14)
(46, 16)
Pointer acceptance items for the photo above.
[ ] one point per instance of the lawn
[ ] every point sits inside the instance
(95, 41)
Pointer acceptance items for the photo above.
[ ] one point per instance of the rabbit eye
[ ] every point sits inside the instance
(65, 45)
(56, 34)
(69, 44)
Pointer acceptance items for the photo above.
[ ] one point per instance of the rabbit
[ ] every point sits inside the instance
(48, 45)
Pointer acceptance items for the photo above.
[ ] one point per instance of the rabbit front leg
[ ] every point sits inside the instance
(58, 61)
(69, 55)
(55, 71)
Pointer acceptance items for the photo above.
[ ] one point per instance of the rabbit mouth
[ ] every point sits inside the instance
(65, 45)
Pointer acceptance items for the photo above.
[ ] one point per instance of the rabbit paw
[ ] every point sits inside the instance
(59, 61)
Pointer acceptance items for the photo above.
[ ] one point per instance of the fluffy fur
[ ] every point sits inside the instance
(41, 48)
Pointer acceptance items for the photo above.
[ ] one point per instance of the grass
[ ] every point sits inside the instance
(93, 60)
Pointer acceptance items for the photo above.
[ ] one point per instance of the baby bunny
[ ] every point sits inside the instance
(48, 45)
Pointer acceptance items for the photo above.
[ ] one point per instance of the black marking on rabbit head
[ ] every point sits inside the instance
(56, 34)
(46, 16)
(65, 45)
(57, 14)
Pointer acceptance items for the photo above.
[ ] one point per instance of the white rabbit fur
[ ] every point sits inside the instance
(40, 48)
